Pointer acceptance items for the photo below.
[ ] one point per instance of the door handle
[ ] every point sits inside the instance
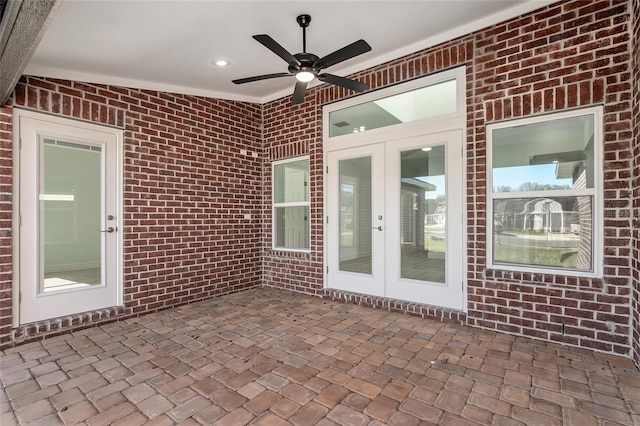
(379, 228)
(110, 229)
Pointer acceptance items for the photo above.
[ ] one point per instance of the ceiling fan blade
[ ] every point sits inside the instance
(273, 46)
(261, 77)
(298, 92)
(352, 50)
(343, 82)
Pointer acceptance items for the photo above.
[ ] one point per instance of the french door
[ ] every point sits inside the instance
(69, 217)
(395, 219)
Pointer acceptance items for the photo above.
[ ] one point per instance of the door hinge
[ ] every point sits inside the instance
(19, 297)
(327, 169)
(327, 269)
(327, 219)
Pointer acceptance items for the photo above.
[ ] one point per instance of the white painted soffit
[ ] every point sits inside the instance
(265, 92)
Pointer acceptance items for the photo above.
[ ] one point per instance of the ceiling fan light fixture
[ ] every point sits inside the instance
(305, 76)
(306, 66)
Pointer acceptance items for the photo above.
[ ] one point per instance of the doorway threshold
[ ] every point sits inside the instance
(452, 316)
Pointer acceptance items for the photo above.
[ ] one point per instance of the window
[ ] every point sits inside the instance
(426, 102)
(437, 98)
(291, 204)
(544, 187)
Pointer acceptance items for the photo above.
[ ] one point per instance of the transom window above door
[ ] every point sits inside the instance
(389, 107)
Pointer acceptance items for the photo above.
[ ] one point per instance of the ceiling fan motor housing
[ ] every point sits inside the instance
(307, 62)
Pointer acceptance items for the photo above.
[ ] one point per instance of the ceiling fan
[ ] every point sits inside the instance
(307, 66)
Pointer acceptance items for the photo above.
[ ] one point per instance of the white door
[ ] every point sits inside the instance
(356, 219)
(69, 215)
(410, 200)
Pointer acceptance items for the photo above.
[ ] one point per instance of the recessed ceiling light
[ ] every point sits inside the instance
(222, 62)
(426, 149)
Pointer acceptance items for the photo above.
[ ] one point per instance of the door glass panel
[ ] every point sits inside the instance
(70, 215)
(355, 215)
(423, 211)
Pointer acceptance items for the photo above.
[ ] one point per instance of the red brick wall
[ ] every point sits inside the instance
(567, 55)
(635, 250)
(186, 186)
(291, 131)
(186, 182)
(6, 165)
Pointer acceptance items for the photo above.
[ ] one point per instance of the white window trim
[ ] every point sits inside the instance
(596, 192)
(275, 205)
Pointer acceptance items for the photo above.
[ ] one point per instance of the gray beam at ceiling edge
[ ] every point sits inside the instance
(24, 22)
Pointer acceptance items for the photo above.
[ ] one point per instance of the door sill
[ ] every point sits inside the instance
(422, 310)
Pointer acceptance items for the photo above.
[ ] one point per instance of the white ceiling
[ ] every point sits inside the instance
(171, 45)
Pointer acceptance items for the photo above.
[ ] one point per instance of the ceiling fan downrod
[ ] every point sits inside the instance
(303, 21)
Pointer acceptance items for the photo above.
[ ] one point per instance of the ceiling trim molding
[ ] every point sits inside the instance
(91, 78)
(22, 27)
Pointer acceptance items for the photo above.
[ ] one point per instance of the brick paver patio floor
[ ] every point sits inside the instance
(270, 357)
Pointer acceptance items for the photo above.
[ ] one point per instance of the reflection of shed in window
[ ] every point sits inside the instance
(542, 215)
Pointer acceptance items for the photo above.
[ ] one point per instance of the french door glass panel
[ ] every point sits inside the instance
(70, 211)
(423, 214)
(355, 215)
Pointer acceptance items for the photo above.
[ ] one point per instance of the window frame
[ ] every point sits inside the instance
(596, 193)
(275, 205)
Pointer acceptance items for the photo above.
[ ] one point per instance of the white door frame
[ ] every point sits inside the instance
(28, 128)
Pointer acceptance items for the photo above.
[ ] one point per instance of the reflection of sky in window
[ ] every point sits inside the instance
(438, 182)
(543, 174)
